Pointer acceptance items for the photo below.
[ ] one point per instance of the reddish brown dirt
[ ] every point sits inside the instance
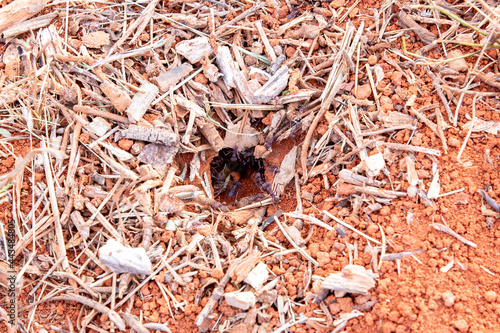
(409, 299)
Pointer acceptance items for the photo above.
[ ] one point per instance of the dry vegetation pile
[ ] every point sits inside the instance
(185, 166)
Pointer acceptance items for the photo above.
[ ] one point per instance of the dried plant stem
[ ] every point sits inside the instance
(301, 251)
(464, 144)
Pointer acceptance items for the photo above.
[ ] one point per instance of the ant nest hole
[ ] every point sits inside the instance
(237, 174)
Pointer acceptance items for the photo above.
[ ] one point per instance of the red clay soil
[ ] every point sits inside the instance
(414, 297)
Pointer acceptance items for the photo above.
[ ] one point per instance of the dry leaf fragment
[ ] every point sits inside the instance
(96, 39)
(170, 78)
(118, 97)
(286, 173)
(247, 139)
(170, 204)
(227, 66)
(189, 20)
(12, 61)
(483, 126)
(150, 134)
(458, 64)
(80, 224)
(194, 50)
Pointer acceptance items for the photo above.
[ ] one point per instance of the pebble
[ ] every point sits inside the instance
(338, 246)
(386, 104)
(323, 258)
(461, 325)
(448, 298)
(337, 4)
(396, 78)
(125, 144)
(217, 273)
(459, 65)
(364, 91)
(453, 141)
(372, 60)
(290, 51)
(313, 248)
(490, 296)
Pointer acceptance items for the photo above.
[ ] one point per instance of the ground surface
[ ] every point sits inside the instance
(447, 287)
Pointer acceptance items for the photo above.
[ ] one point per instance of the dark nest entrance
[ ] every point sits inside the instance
(236, 173)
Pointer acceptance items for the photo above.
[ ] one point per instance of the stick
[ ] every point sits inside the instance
(449, 231)
(18, 11)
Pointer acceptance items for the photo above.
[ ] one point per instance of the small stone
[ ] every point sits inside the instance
(217, 273)
(372, 229)
(338, 246)
(257, 276)
(453, 141)
(121, 259)
(137, 148)
(125, 144)
(448, 298)
(461, 325)
(240, 300)
(416, 141)
(334, 308)
(459, 65)
(372, 59)
(386, 104)
(364, 91)
(354, 12)
(337, 4)
(346, 304)
(385, 211)
(490, 296)
(396, 78)
(362, 299)
(313, 248)
(290, 51)
(323, 258)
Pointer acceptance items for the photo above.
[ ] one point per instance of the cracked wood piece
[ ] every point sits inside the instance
(276, 84)
(80, 224)
(18, 11)
(104, 222)
(112, 315)
(265, 41)
(194, 50)
(150, 134)
(33, 24)
(240, 299)
(170, 78)
(347, 176)
(226, 65)
(353, 279)
(197, 116)
(141, 101)
(118, 97)
(425, 35)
